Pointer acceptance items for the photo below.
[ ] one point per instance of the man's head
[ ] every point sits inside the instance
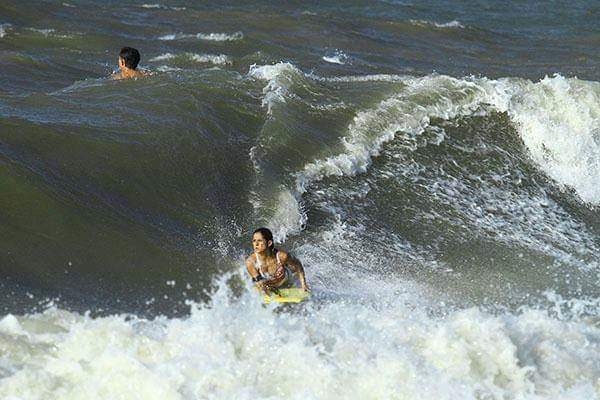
(129, 57)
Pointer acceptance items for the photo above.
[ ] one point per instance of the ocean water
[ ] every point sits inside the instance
(434, 165)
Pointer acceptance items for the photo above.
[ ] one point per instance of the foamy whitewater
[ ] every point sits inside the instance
(434, 168)
(236, 348)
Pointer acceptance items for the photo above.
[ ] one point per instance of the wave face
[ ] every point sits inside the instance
(434, 168)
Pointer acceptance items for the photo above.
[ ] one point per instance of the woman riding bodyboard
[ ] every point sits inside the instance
(272, 269)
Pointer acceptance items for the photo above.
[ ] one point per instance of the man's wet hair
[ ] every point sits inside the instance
(130, 56)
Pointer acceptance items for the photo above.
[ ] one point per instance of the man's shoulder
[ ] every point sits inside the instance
(142, 72)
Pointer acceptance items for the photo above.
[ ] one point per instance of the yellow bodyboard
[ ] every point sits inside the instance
(291, 295)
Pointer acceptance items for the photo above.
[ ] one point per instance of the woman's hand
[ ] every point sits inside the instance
(260, 285)
(263, 287)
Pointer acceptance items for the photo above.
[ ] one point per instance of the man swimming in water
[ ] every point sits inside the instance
(128, 62)
(270, 268)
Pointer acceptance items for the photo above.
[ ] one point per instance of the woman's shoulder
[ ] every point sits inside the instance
(250, 259)
(282, 254)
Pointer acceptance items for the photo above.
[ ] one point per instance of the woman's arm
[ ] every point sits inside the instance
(296, 266)
(254, 274)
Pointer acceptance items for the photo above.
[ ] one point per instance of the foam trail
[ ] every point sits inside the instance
(214, 37)
(217, 59)
(162, 57)
(50, 33)
(160, 6)
(446, 25)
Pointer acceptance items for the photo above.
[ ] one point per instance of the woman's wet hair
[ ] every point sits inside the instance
(130, 56)
(267, 235)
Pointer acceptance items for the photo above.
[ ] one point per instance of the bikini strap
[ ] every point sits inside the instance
(258, 263)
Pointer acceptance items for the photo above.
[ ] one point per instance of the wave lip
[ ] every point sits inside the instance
(280, 78)
(558, 119)
(212, 36)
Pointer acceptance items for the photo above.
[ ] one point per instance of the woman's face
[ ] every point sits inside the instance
(259, 244)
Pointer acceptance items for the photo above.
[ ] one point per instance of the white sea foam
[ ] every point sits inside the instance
(161, 6)
(4, 29)
(50, 33)
(45, 32)
(172, 36)
(333, 59)
(362, 78)
(162, 57)
(339, 57)
(344, 349)
(217, 59)
(221, 37)
(167, 68)
(214, 37)
(10, 325)
(450, 25)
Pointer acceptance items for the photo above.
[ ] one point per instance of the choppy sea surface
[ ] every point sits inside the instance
(434, 165)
